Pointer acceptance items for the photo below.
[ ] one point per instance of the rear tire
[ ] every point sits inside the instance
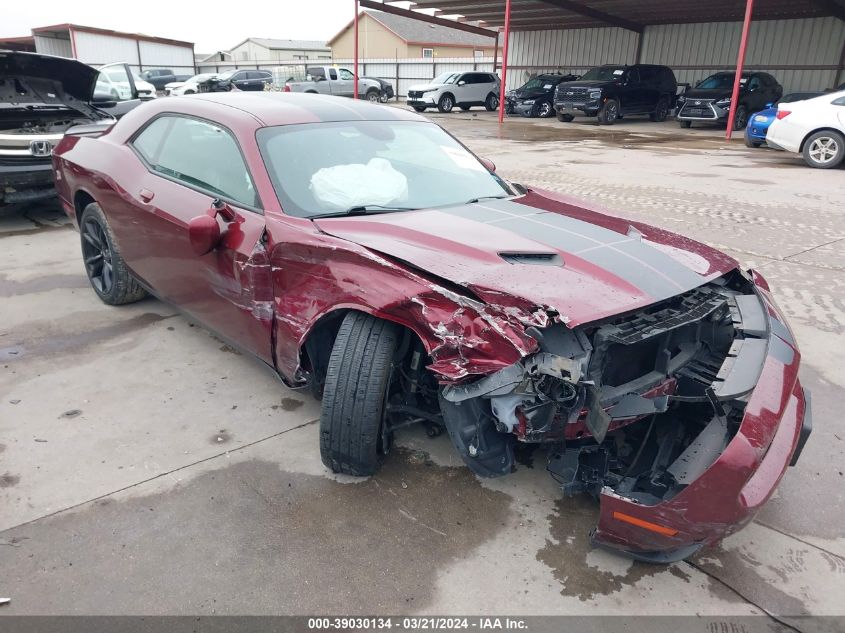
(446, 103)
(824, 150)
(107, 272)
(564, 118)
(661, 111)
(609, 112)
(685, 124)
(491, 103)
(358, 379)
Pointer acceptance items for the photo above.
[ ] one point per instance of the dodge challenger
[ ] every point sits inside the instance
(363, 253)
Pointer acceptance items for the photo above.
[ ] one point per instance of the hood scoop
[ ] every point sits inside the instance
(535, 259)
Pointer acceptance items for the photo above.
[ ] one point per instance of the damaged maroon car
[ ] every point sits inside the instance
(364, 253)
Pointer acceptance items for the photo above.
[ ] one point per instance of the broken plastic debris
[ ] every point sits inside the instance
(4, 601)
(72, 413)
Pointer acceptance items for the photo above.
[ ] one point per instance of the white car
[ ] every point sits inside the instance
(448, 90)
(189, 87)
(112, 80)
(814, 128)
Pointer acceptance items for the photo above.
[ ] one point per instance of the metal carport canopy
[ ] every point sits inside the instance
(536, 15)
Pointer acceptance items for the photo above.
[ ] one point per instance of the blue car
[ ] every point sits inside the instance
(759, 122)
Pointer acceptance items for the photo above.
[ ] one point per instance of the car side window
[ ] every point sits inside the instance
(633, 76)
(332, 73)
(838, 102)
(754, 82)
(345, 74)
(647, 73)
(199, 154)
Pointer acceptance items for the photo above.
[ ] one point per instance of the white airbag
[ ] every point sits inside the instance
(344, 186)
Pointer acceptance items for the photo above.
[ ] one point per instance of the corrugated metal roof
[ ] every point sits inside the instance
(418, 32)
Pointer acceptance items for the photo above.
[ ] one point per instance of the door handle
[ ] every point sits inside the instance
(146, 195)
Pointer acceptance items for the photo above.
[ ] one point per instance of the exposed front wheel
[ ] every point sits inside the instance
(824, 150)
(564, 118)
(609, 112)
(106, 270)
(543, 109)
(353, 425)
(373, 96)
(446, 104)
(491, 103)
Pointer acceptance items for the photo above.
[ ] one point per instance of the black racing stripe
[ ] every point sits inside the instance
(641, 265)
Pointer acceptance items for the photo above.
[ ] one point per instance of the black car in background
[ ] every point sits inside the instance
(710, 100)
(615, 90)
(386, 93)
(240, 79)
(535, 98)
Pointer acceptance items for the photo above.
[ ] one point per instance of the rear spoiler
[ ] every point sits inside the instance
(91, 129)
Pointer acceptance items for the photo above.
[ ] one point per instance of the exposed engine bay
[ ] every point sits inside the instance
(643, 403)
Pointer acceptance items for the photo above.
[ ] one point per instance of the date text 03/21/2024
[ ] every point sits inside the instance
(418, 623)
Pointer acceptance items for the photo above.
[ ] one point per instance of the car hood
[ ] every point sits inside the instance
(47, 79)
(584, 84)
(426, 86)
(768, 113)
(539, 249)
(529, 94)
(709, 93)
(175, 84)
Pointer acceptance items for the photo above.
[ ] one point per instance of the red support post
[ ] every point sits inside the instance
(740, 63)
(355, 55)
(505, 61)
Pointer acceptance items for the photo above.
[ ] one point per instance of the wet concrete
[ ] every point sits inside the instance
(279, 533)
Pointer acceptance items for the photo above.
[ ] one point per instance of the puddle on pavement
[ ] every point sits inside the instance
(288, 542)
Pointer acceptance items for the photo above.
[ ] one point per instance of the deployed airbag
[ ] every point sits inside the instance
(345, 186)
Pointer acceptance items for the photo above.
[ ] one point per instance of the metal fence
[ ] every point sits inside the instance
(402, 73)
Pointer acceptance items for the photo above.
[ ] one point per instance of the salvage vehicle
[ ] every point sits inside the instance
(536, 96)
(160, 77)
(386, 93)
(249, 80)
(612, 91)
(710, 100)
(40, 98)
(364, 253)
(451, 89)
(327, 80)
(759, 122)
(814, 128)
(188, 87)
(113, 80)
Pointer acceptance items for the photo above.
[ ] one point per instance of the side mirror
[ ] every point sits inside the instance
(462, 83)
(204, 231)
(489, 164)
(103, 100)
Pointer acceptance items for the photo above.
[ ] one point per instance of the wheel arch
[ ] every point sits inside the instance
(825, 128)
(447, 93)
(81, 199)
(315, 347)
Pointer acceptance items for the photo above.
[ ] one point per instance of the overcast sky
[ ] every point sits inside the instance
(209, 27)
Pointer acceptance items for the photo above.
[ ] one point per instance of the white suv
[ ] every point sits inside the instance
(448, 90)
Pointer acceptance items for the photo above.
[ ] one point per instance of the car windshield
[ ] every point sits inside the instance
(198, 78)
(541, 83)
(445, 78)
(328, 168)
(604, 73)
(719, 81)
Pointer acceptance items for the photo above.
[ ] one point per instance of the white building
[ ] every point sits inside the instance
(97, 47)
(260, 49)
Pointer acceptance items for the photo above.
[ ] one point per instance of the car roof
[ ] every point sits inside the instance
(282, 108)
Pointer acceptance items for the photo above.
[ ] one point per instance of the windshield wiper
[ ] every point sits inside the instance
(363, 209)
(480, 198)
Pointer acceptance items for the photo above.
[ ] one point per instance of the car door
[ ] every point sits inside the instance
(241, 80)
(183, 165)
(631, 92)
(345, 84)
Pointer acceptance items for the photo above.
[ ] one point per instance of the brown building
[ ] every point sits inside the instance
(386, 36)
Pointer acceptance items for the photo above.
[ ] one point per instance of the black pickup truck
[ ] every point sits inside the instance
(160, 77)
(615, 90)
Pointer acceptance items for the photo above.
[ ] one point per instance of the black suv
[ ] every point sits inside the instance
(534, 98)
(612, 91)
(710, 100)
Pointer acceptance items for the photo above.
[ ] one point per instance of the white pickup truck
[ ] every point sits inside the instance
(327, 80)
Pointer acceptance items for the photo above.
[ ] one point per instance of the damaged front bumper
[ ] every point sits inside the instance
(681, 419)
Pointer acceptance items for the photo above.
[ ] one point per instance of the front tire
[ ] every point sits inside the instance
(106, 270)
(542, 110)
(740, 118)
(824, 150)
(752, 143)
(419, 108)
(685, 124)
(564, 118)
(491, 103)
(353, 440)
(373, 96)
(609, 112)
(661, 112)
(446, 104)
